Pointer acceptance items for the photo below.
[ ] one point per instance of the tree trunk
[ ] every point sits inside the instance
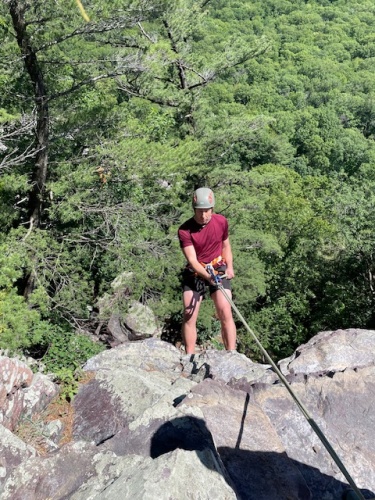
(38, 178)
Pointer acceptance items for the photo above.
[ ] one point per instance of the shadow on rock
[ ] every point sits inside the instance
(185, 433)
(253, 475)
(269, 475)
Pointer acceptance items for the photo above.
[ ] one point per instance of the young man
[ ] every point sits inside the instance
(204, 240)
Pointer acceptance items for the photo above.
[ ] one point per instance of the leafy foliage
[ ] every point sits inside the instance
(271, 103)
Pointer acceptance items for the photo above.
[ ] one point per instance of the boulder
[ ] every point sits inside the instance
(38, 394)
(13, 451)
(145, 427)
(117, 329)
(332, 351)
(22, 393)
(178, 475)
(140, 321)
(14, 376)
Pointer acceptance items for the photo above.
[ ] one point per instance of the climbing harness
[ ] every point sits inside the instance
(216, 278)
(215, 264)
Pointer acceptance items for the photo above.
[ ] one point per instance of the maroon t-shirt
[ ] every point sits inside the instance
(207, 240)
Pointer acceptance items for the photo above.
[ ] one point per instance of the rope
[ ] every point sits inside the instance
(303, 409)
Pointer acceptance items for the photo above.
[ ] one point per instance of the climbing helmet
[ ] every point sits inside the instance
(203, 198)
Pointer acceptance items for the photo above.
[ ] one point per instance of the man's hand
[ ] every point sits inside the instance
(230, 273)
(215, 278)
(217, 281)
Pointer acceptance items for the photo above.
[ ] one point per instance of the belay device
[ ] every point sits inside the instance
(215, 276)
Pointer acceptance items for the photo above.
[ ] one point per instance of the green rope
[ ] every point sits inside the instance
(303, 409)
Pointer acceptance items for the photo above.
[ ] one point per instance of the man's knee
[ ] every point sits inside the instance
(188, 319)
(224, 312)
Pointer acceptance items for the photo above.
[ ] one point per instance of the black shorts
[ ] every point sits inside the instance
(197, 284)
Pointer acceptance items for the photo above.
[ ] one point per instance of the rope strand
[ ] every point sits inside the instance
(299, 403)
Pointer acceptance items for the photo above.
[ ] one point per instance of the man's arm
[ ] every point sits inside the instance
(191, 257)
(228, 256)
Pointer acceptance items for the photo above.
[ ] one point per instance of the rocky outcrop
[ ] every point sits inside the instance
(147, 426)
(119, 318)
(21, 392)
(332, 351)
(137, 323)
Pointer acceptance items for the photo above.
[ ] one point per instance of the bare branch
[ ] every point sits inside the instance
(245, 57)
(89, 29)
(83, 83)
(27, 123)
(144, 33)
(136, 93)
(12, 159)
(30, 229)
(38, 21)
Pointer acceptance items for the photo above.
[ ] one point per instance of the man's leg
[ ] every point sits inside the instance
(224, 313)
(191, 301)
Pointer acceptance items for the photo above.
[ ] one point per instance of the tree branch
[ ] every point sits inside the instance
(89, 29)
(144, 33)
(180, 67)
(137, 93)
(83, 83)
(11, 160)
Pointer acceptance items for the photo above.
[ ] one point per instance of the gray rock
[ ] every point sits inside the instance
(229, 430)
(38, 395)
(54, 429)
(117, 329)
(13, 451)
(149, 355)
(129, 380)
(343, 408)
(232, 367)
(140, 321)
(332, 351)
(14, 377)
(94, 404)
(161, 431)
(178, 475)
(250, 449)
(57, 476)
(81, 471)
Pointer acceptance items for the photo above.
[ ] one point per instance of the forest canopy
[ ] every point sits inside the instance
(107, 125)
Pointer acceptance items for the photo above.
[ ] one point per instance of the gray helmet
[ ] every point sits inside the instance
(203, 198)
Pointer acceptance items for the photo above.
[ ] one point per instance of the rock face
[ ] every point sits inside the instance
(124, 319)
(21, 392)
(222, 427)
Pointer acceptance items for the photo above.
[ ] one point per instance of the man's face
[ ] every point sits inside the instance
(203, 215)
